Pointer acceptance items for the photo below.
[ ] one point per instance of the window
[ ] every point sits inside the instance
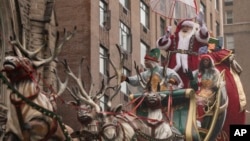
(203, 9)
(217, 6)
(102, 60)
(229, 42)
(217, 29)
(229, 17)
(125, 3)
(143, 52)
(103, 101)
(211, 21)
(103, 13)
(125, 37)
(228, 2)
(163, 26)
(124, 85)
(144, 13)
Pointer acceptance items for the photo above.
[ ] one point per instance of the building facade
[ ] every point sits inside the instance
(236, 34)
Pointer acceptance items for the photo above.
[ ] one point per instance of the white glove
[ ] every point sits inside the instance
(204, 29)
(167, 34)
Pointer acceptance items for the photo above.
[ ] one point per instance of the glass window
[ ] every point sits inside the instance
(103, 13)
(103, 101)
(124, 85)
(144, 13)
(125, 37)
(163, 26)
(143, 51)
(217, 29)
(125, 3)
(203, 9)
(229, 42)
(229, 17)
(102, 60)
(211, 21)
(217, 6)
(228, 2)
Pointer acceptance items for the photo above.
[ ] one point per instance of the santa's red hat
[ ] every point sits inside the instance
(186, 22)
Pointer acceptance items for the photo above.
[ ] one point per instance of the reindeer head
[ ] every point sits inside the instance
(18, 68)
(153, 100)
(152, 96)
(86, 113)
(111, 126)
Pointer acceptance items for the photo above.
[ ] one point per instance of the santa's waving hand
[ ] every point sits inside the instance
(184, 45)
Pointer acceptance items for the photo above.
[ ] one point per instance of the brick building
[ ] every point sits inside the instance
(236, 34)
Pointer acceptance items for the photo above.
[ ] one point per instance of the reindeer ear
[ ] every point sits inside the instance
(118, 108)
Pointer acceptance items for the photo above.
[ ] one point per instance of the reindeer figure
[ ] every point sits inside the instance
(88, 109)
(157, 122)
(30, 111)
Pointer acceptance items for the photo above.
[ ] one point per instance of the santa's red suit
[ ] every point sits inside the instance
(184, 49)
(236, 113)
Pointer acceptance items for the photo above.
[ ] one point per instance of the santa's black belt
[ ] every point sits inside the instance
(182, 51)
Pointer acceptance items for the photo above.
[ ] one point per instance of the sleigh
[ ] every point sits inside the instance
(184, 112)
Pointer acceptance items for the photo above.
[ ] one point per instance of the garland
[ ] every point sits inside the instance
(37, 107)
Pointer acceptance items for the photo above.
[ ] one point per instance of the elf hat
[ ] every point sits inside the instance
(153, 55)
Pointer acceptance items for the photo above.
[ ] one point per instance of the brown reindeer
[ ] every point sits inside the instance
(31, 114)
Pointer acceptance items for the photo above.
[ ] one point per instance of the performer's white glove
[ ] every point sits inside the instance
(204, 29)
(167, 34)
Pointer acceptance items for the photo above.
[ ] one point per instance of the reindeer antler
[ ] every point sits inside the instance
(80, 92)
(61, 86)
(33, 54)
(118, 70)
(142, 82)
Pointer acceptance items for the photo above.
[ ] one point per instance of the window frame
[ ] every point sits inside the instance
(103, 13)
(103, 64)
(204, 10)
(125, 4)
(143, 50)
(229, 17)
(144, 14)
(124, 85)
(228, 2)
(230, 42)
(125, 37)
(162, 26)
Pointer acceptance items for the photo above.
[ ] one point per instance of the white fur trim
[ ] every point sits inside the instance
(198, 37)
(165, 46)
(188, 23)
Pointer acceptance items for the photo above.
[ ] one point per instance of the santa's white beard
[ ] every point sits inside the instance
(186, 34)
(183, 44)
(184, 38)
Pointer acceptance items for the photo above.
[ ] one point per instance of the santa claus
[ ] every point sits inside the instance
(184, 45)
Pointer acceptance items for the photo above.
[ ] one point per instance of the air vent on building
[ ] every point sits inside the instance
(125, 11)
(107, 23)
(145, 29)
